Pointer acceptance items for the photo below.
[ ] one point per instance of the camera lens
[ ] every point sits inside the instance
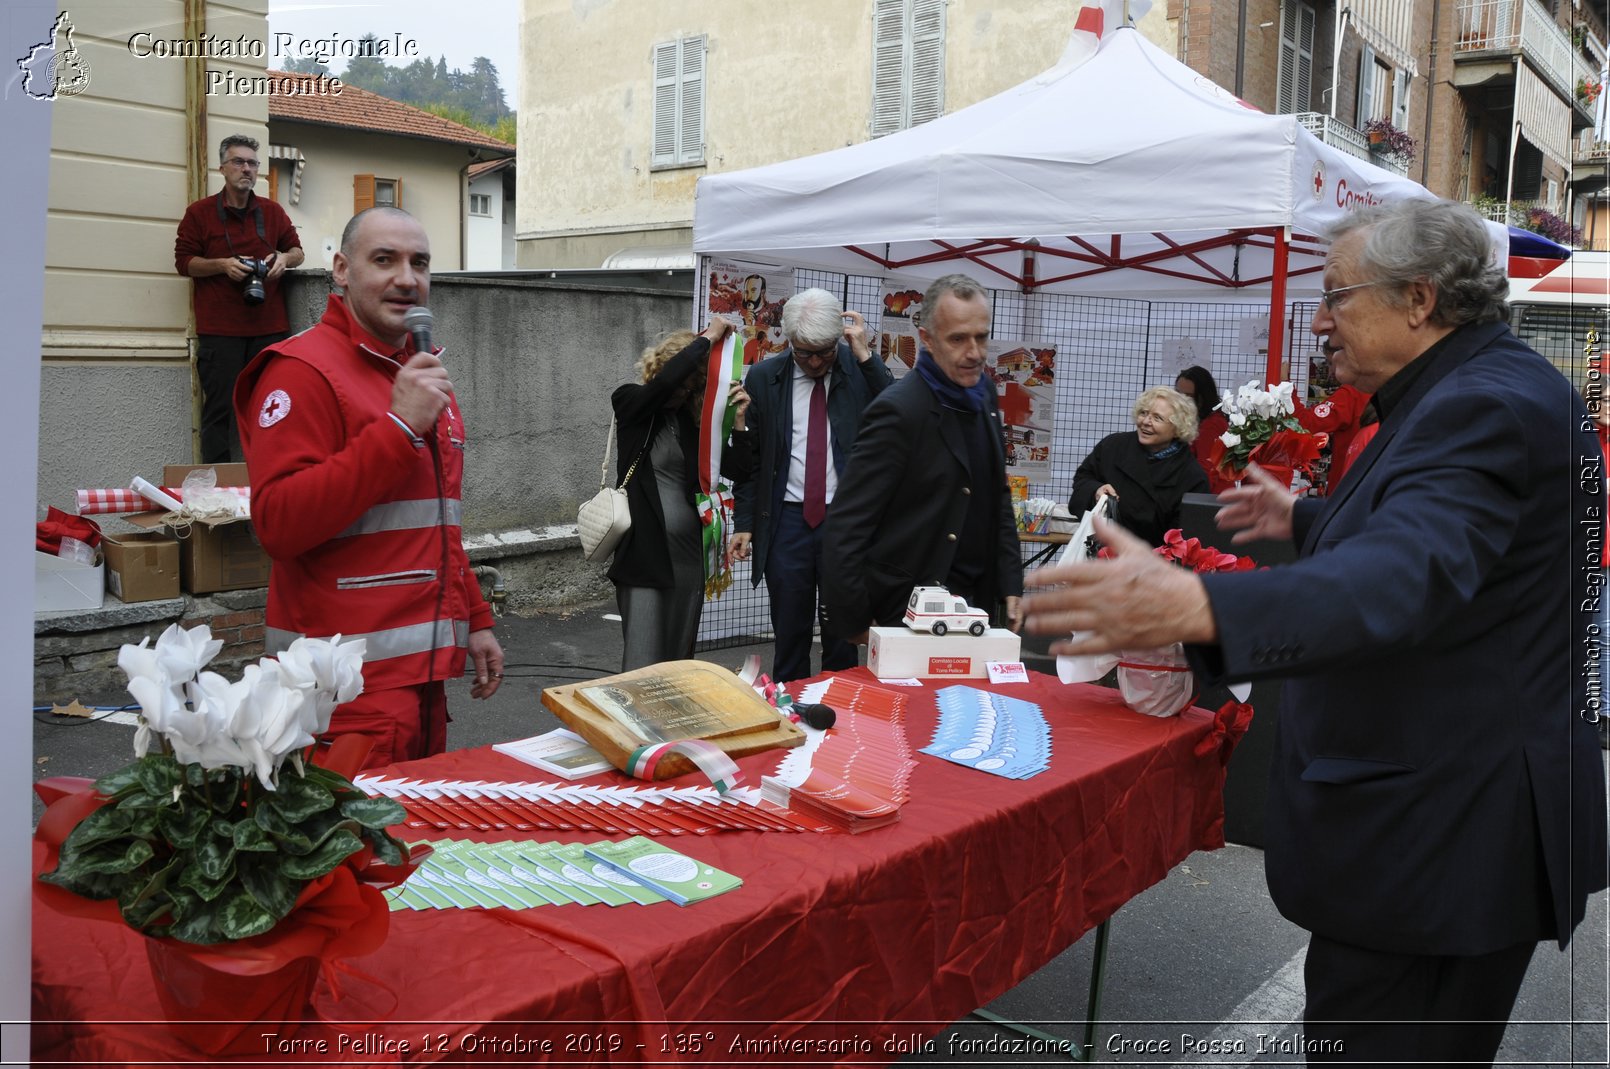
(253, 293)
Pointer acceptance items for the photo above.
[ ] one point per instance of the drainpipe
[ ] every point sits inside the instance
(1431, 89)
(1240, 48)
(196, 150)
(1342, 15)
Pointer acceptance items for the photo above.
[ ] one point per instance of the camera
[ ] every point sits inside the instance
(253, 293)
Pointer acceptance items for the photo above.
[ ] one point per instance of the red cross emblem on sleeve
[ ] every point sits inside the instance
(276, 406)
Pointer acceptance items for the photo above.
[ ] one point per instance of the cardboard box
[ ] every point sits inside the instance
(141, 566)
(213, 556)
(901, 653)
(62, 585)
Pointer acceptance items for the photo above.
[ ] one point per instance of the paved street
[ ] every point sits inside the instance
(1201, 968)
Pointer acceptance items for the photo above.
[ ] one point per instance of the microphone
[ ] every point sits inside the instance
(820, 717)
(418, 320)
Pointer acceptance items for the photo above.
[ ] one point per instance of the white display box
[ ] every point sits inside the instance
(901, 653)
(61, 584)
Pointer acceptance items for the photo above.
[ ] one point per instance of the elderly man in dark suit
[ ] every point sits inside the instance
(1437, 796)
(805, 405)
(925, 501)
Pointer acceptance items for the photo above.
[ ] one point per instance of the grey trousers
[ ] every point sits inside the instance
(659, 624)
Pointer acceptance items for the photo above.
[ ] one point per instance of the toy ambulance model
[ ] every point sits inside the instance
(937, 610)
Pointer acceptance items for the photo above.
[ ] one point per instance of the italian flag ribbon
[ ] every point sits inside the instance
(714, 501)
(722, 771)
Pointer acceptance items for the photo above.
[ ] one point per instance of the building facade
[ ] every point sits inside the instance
(625, 104)
(1485, 101)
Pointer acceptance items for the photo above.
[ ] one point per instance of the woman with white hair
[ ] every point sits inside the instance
(1146, 472)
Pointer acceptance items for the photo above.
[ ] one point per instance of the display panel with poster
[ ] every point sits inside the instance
(745, 293)
(897, 328)
(1025, 384)
(1177, 354)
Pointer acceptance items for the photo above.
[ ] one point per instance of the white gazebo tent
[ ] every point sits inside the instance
(1126, 174)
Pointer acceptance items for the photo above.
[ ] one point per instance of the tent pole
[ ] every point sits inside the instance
(1277, 304)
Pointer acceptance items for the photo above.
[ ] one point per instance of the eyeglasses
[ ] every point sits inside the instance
(249, 165)
(1330, 297)
(816, 354)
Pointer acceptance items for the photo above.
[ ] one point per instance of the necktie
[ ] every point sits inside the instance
(816, 457)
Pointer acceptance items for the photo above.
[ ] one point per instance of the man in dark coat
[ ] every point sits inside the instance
(1437, 800)
(924, 501)
(778, 514)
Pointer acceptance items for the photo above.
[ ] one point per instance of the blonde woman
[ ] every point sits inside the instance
(1146, 471)
(658, 570)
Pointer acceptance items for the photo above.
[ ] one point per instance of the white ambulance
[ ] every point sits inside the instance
(936, 610)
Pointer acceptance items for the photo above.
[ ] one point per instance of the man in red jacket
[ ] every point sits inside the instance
(356, 451)
(225, 243)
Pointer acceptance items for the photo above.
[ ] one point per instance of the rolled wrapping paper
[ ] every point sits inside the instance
(117, 502)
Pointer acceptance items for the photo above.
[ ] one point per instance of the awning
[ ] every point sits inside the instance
(1544, 118)
(298, 162)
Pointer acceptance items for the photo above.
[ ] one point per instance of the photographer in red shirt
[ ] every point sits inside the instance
(235, 245)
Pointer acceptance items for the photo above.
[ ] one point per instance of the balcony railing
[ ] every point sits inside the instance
(1587, 150)
(1349, 139)
(1506, 25)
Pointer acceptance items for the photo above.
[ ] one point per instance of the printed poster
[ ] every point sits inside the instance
(1025, 385)
(1177, 354)
(897, 329)
(755, 297)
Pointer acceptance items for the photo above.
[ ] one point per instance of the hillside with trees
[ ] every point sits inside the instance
(473, 98)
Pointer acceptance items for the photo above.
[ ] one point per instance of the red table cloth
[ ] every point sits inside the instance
(837, 948)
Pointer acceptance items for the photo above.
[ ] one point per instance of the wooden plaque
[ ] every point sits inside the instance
(667, 702)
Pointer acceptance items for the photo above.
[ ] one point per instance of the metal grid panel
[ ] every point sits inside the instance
(1106, 355)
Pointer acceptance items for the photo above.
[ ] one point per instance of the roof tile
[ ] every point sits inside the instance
(302, 98)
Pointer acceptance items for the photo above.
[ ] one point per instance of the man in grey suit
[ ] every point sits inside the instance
(805, 405)
(1436, 800)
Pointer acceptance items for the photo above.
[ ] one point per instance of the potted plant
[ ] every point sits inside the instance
(1587, 90)
(1263, 428)
(1388, 140)
(245, 864)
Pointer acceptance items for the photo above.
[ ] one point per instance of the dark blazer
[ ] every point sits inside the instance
(851, 387)
(901, 505)
(1149, 491)
(1433, 789)
(642, 558)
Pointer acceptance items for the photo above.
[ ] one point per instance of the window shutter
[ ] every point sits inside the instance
(1366, 85)
(1400, 99)
(363, 192)
(1296, 85)
(396, 186)
(927, 61)
(888, 66)
(1303, 89)
(690, 125)
(273, 182)
(1284, 95)
(665, 124)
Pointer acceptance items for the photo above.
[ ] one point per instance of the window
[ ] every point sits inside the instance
(679, 103)
(371, 192)
(1374, 88)
(480, 204)
(908, 63)
(1295, 92)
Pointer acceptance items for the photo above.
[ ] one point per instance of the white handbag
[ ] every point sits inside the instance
(604, 519)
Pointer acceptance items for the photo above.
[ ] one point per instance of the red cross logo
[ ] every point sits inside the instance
(276, 406)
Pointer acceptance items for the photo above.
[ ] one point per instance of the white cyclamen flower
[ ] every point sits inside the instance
(1230, 439)
(330, 668)
(183, 653)
(1283, 400)
(1238, 419)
